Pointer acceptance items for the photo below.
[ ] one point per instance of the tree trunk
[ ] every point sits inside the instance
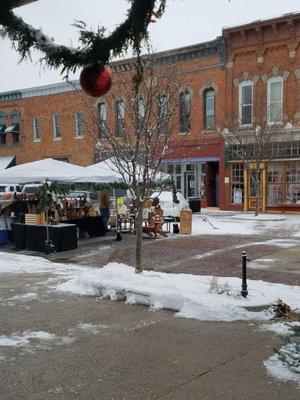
(138, 239)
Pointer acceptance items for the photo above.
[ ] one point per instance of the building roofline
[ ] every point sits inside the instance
(262, 22)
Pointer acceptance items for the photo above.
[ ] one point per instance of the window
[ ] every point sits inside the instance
(209, 110)
(15, 117)
(140, 114)
(120, 114)
(185, 112)
(275, 186)
(36, 124)
(2, 129)
(275, 92)
(56, 127)
(293, 182)
(15, 120)
(2, 119)
(102, 112)
(79, 124)
(237, 183)
(163, 114)
(246, 103)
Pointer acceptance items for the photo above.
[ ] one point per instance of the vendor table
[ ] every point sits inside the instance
(93, 226)
(33, 237)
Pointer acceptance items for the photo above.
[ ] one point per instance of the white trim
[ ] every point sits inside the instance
(78, 114)
(241, 85)
(270, 81)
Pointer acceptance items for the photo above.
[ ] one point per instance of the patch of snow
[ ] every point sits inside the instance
(276, 369)
(189, 295)
(25, 296)
(281, 328)
(91, 328)
(259, 217)
(23, 339)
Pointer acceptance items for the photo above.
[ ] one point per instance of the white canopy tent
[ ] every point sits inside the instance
(54, 171)
(108, 169)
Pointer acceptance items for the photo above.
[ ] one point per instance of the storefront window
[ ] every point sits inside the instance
(293, 182)
(275, 187)
(237, 183)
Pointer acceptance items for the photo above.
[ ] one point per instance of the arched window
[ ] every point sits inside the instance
(209, 110)
(275, 99)
(102, 114)
(185, 111)
(120, 118)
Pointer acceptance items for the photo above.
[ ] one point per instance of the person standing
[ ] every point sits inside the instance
(104, 207)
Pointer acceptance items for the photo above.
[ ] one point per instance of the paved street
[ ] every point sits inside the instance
(86, 348)
(127, 352)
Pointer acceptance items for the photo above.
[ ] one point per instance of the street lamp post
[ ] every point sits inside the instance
(244, 291)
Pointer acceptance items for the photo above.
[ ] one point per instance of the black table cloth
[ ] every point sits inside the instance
(93, 226)
(33, 237)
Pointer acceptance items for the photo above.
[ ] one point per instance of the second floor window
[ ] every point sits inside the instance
(36, 125)
(209, 109)
(246, 103)
(79, 124)
(120, 118)
(56, 127)
(275, 92)
(185, 112)
(140, 114)
(102, 112)
(163, 114)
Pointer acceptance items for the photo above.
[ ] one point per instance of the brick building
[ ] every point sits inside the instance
(263, 63)
(260, 57)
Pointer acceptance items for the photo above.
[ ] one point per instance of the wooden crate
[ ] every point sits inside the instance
(35, 219)
(186, 222)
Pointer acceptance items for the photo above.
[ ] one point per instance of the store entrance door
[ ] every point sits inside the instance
(212, 184)
(250, 186)
(189, 184)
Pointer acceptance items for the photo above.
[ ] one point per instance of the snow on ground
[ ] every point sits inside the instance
(281, 328)
(222, 223)
(190, 296)
(276, 369)
(23, 339)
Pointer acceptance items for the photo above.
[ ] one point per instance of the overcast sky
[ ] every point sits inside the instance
(185, 22)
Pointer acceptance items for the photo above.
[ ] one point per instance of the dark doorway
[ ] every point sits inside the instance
(212, 184)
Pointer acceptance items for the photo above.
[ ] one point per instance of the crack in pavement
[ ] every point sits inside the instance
(208, 371)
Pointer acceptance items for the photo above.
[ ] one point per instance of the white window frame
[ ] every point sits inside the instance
(243, 84)
(102, 118)
(78, 115)
(55, 137)
(270, 81)
(36, 129)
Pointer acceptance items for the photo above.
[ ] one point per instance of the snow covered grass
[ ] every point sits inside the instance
(284, 329)
(189, 295)
(276, 369)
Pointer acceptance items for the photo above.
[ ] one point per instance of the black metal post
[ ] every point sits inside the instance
(244, 291)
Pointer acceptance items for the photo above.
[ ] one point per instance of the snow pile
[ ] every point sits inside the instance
(190, 295)
(278, 370)
(281, 328)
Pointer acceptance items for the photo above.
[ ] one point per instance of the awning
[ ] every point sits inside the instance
(192, 160)
(2, 129)
(6, 162)
(14, 128)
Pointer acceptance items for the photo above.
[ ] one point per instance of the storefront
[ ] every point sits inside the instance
(280, 186)
(197, 177)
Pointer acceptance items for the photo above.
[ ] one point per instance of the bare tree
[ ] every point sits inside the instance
(252, 137)
(141, 129)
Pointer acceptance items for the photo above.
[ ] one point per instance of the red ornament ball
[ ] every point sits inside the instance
(95, 81)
